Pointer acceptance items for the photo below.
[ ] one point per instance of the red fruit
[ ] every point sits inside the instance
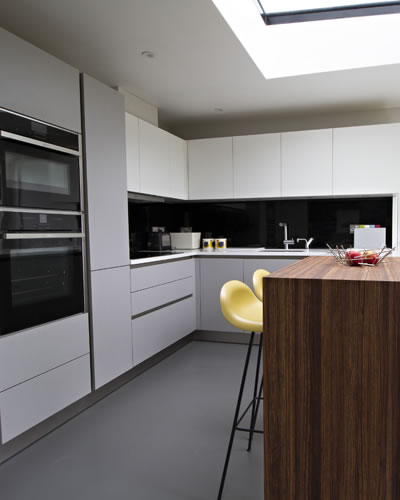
(370, 257)
(354, 257)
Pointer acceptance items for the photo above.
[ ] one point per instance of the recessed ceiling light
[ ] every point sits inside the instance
(218, 110)
(148, 54)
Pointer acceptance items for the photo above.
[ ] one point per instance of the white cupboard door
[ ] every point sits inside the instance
(106, 183)
(257, 166)
(132, 152)
(177, 156)
(111, 324)
(37, 84)
(210, 168)
(153, 151)
(366, 160)
(307, 163)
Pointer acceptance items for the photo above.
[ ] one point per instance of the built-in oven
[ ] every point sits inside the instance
(42, 268)
(39, 164)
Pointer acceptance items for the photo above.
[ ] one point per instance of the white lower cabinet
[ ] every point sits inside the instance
(31, 352)
(163, 306)
(157, 330)
(214, 272)
(111, 327)
(31, 402)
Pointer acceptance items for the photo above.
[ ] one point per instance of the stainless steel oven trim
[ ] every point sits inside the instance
(38, 236)
(35, 142)
(39, 211)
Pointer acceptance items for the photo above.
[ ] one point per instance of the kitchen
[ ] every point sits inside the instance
(204, 154)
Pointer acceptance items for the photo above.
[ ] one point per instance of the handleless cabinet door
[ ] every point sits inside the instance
(307, 163)
(132, 152)
(38, 84)
(214, 272)
(177, 157)
(257, 166)
(210, 168)
(111, 324)
(366, 160)
(154, 165)
(106, 179)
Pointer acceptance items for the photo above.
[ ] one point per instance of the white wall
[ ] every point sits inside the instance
(244, 125)
(139, 108)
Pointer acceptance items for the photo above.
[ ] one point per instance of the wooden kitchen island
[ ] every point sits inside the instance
(332, 381)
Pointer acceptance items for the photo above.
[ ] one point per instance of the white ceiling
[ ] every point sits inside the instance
(199, 64)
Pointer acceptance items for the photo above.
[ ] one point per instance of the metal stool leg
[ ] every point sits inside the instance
(259, 397)
(235, 419)
(253, 409)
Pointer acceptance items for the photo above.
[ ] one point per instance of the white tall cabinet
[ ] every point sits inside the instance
(366, 160)
(257, 166)
(105, 160)
(38, 84)
(210, 168)
(307, 163)
(177, 166)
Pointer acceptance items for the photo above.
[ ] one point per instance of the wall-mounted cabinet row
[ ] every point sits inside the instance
(342, 161)
(156, 160)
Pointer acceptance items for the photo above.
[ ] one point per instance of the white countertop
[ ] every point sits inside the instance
(233, 252)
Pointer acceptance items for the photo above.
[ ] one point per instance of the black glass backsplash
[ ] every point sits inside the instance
(255, 223)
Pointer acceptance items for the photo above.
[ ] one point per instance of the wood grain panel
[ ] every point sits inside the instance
(332, 381)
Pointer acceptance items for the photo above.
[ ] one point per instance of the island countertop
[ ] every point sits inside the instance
(332, 381)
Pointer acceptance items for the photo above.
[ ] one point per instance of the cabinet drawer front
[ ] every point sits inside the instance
(158, 274)
(157, 330)
(29, 353)
(27, 404)
(144, 300)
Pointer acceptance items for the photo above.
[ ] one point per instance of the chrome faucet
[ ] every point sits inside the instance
(307, 242)
(286, 242)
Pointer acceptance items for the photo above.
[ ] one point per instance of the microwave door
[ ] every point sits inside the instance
(42, 176)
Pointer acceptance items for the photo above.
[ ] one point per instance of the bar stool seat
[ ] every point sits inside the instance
(258, 282)
(242, 309)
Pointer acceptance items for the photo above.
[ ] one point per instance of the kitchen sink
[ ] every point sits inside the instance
(284, 250)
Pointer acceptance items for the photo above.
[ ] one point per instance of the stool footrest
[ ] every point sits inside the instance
(242, 429)
(248, 408)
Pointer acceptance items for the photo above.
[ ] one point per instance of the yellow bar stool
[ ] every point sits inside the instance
(242, 309)
(258, 282)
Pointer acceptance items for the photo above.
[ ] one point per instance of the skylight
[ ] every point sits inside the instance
(304, 48)
(296, 11)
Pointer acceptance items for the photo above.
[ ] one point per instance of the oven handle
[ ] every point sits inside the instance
(35, 142)
(37, 236)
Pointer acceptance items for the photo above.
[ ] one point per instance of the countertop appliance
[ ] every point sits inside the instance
(40, 165)
(42, 268)
(158, 241)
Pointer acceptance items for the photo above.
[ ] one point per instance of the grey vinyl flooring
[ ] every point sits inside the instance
(162, 436)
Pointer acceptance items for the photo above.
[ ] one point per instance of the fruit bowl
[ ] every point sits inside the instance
(365, 257)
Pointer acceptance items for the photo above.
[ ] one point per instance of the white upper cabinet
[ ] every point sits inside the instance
(132, 152)
(37, 84)
(177, 158)
(366, 160)
(307, 163)
(210, 168)
(257, 166)
(153, 153)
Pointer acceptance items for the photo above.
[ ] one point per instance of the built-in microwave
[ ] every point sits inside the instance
(40, 165)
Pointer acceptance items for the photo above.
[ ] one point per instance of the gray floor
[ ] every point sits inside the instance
(163, 436)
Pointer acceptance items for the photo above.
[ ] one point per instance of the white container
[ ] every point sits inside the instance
(185, 241)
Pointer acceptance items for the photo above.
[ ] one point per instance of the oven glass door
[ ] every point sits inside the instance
(36, 177)
(41, 280)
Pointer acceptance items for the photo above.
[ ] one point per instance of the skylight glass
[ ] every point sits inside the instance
(273, 6)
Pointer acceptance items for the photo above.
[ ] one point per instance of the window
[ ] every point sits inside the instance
(297, 11)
